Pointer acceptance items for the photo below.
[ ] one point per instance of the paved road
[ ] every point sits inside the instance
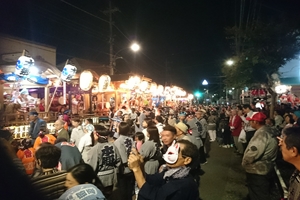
(224, 178)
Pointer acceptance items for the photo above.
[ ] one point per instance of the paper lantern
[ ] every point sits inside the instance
(143, 86)
(23, 65)
(86, 80)
(133, 81)
(160, 89)
(104, 82)
(153, 87)
(68, 72)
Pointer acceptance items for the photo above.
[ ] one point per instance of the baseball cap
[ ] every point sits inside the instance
(257, 116)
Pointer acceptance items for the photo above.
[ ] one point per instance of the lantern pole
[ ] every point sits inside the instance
(52, 99)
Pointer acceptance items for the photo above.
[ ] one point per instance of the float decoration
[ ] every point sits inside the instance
(24, 63)
(68, 71)
(104, 83)
(86, 80)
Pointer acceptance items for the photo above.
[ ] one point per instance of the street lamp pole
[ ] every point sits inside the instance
(113, 57)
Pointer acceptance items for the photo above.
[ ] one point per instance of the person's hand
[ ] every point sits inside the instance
(134, 161)
(280, 140)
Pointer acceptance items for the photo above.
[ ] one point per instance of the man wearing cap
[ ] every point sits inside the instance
(259, 158)
(35, 124)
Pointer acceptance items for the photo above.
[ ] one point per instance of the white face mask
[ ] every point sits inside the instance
(171, 156)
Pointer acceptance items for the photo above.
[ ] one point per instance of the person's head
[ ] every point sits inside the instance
(246, 108)
(147, 122)
(289, 119)
(181, 116)
(47, 156)
(139, 136)
(101, 135)
(60, 117)
(290, 144)
(159, 119)
(153, 134)
(75, 122)
(188, 155)
(119, 114)
(296, 115)
(59, 124)
(233, 112)
(257, 120)
(270, 122)
(81, 174)
(181, 129)
(126, 117)
(147, 111)
(33, 115)
(168, 135)
(88, 121)
(124, 128)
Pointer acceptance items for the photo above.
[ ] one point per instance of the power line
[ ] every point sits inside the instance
(96, 17)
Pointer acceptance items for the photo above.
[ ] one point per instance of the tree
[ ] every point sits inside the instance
(260, 50)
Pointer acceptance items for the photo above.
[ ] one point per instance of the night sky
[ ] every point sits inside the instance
(182, 41)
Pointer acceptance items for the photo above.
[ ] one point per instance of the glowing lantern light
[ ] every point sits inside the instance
(104, 82)
(160, 89)
(281, 89)
(143, 86)
(68, 72)
(86, 80)
(153, 87)
(133, 81)
(123, 86)
(190, 96)
(23, 64)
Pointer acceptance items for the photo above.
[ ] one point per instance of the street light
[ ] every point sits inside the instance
(134, 47)
(229, 62)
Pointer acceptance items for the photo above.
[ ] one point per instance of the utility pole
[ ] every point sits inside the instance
(111, 39)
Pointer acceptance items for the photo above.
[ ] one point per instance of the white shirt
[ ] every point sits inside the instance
(85, 140)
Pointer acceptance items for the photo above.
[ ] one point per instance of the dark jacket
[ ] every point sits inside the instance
(157, 188)
(35, 127)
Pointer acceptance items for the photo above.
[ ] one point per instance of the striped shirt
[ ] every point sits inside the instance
(51, 184)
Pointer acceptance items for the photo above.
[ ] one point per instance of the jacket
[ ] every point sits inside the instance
(157, 188)
(35, 127)
(261, 152)
(235, 124)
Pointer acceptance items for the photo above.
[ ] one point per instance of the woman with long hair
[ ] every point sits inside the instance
(147, 123)
(150, 151)
(82, 181)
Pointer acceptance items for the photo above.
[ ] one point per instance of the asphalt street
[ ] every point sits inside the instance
(224, 177)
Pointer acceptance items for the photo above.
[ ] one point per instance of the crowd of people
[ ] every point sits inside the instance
(152, 153)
